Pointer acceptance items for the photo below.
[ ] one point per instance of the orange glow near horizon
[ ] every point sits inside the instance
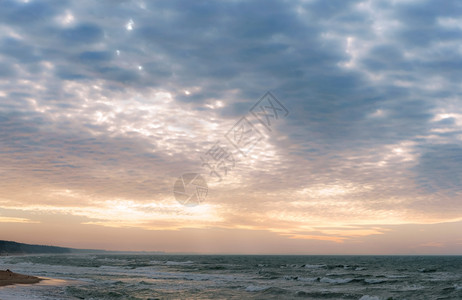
(316, 130)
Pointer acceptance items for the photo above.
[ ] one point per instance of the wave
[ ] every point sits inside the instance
(308, 279)
(193, 277)
(350, 280)
(267, 290)
(178, 263)
(396, 276)
(427, 270)
(298, 278)
(315, 266)
(374, 281)
(336, 281)
(256, 288)
(367, 297)
(320, 295)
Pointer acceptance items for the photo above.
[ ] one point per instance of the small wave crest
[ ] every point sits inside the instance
(256, 288)
(320, 266)
(367, 297)
(336, 280)
(298, 278)
(374, 281)
(178, 263)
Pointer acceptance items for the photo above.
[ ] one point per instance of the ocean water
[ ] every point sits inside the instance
(236, 277)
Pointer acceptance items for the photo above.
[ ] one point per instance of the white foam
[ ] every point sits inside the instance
(178, 263)
(335, 281)
(262, 265)
(367, 297)
(255, 288)
(46, 289)
(396, 276)
(112, 268)
(112, 260)
(315, 266)
(412, 287)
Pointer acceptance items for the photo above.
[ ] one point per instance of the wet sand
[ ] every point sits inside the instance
(8, 278)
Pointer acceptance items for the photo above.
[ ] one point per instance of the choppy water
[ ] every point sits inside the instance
(236, 277)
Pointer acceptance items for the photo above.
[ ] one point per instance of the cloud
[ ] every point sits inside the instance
(440, 169)
(14, 220)
(112, 112)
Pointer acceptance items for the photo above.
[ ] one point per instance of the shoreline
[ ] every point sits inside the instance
(10, 278)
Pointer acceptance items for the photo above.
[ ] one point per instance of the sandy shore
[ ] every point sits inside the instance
(7, 278)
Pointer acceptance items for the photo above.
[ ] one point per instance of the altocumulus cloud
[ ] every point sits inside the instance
(103, 105)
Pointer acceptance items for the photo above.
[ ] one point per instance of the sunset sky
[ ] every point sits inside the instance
(103, 105)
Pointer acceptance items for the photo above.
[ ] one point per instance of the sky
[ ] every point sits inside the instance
(105, 105)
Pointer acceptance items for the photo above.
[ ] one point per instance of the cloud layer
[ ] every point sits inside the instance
(103, 105)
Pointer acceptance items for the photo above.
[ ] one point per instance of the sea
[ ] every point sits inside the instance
(143, 276)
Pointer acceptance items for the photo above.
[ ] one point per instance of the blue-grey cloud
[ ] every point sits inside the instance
(440, 169)
(373, 90)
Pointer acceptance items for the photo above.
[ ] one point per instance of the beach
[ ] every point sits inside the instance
(143, 277)
(8, 277)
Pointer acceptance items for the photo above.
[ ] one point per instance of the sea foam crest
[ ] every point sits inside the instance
(178, 263)
(255, 288)
(315, 266)
(367, 297)
(335, 281)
